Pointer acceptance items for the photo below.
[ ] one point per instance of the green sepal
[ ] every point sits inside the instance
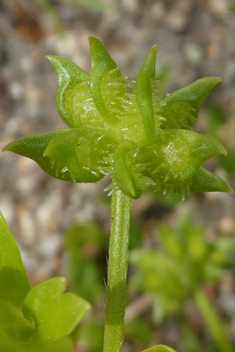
(82, 153)
(179, 153)
(34, 146)
(150, 62)
(181, 108)
(101, 65)
(73, 97)
(206, 181)
(159, 348)
(143, 95)
(13, 279)
(70, 77)
(63, 150)
(123, 173)
(54, 312)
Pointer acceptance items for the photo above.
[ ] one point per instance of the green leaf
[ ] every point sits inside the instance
(13, 325)
(13, 279)
(55, 314)
(101, 65)
(48, 315)
(181, 108)
(206, 181)
(73, 98)
(36, 344)
(159, 348)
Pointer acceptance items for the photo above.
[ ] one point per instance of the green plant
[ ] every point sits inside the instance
(184, 250)
(83, 244)
(144, 141)
(37, 319)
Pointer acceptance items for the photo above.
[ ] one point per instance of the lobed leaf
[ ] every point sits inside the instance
(55, 314)
(33, 320)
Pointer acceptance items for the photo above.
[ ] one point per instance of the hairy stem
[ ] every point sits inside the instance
(117, 272)
(213, 322)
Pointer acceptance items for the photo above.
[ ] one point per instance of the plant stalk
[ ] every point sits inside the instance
(117, 272)
(213, 322)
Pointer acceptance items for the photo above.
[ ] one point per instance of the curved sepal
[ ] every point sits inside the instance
(54, 312)
(150, 62)
(104, 71)
(206, 181)
(73, 98)
(63, 151)
(34, 146)
(123, 170)
(181, 108)
(82, 153)
(129, 174)
(13, 279)
(143, 95)
(159, 348)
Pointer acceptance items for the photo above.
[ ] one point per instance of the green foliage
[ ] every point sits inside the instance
(183, 263)
(139, 329)
(91, 335)
(84, 244)
(144, 141)
(37, 319)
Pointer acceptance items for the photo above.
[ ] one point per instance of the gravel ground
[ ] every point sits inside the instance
(195, 38)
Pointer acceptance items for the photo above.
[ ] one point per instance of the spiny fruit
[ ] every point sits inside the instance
(125, 129)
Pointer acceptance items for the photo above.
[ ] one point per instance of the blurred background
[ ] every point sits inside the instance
(182, 253)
